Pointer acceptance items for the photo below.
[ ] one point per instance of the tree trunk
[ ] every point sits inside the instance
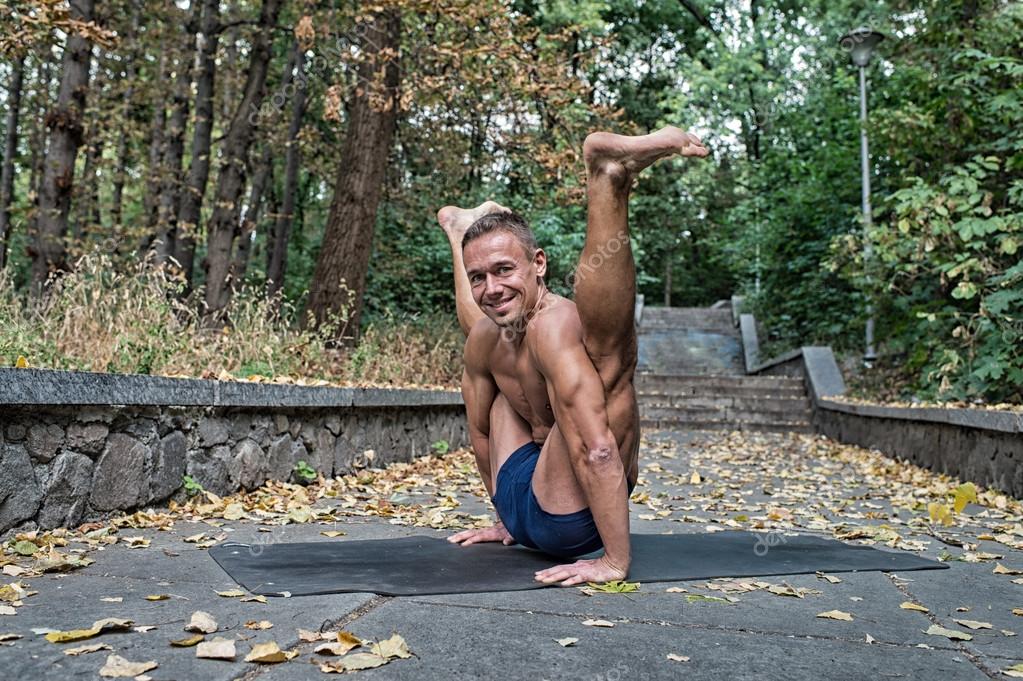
(65, 124)
(260, 178)
(87, 204)
(224, 223)
(10, 151)
(158, 122)
(348, 235)
(286, 217)
(170, 164)
(128, 95)
(199, 166)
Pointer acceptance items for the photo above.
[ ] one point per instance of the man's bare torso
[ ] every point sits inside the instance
(514, 366)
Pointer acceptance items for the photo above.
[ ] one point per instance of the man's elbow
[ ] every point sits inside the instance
(601, 457)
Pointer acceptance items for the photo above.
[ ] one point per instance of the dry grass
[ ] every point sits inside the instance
(99, 319)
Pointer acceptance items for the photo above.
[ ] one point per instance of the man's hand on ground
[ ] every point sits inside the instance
(495, 533)
(596, 570)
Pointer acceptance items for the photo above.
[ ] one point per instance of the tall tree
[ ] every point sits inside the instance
(65, 125)
(372, 117)
(202, 134)
(278, 262)
(10, 151)
(225, 222)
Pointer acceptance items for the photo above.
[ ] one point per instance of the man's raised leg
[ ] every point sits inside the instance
(605, 285)
(455, 221)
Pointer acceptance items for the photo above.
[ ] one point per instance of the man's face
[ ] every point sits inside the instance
(504, 278)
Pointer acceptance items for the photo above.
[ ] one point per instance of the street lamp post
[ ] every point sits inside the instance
(860, 43)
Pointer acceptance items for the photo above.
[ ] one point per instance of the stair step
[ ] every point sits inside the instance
(793, 403)
(690, 382)
(725, 414)
(792, 392)
(747, 426)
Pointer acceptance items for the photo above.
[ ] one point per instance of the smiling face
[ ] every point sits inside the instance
(505, 278)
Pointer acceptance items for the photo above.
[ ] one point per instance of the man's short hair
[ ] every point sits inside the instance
(513, 223)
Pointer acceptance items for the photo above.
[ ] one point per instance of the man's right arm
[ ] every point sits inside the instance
(479, 390)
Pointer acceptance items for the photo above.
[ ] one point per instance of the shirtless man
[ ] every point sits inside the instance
(547, 385)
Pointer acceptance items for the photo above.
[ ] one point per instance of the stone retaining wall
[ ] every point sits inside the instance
(971, 444)
(66, 457)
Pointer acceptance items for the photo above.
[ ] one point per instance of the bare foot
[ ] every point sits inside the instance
(455, 221)
(628, 155)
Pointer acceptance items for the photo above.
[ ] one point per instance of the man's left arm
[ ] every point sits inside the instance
(580, 412)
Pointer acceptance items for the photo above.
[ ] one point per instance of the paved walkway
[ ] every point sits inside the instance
(696, 483)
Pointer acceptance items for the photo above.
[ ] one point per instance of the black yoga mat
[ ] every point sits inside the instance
(427, 565)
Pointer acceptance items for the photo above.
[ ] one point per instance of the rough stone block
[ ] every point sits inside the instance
(87, 438)
(344, 456)
(66, 494)
(251, 463)
(262, 427)
(120, 479)
(142, 429)
(16, 432)
(213, 431)
(241, 424)
(167, 466)
(281, 424)
(284, 454)
(210, 468)
(333, 423)
(44, 441)
(20, 495)
(321, 453)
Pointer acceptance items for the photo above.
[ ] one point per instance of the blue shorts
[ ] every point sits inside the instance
(565, 535)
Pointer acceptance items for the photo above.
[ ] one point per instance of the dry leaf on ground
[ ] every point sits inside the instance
(836, 615)
(219, 648)
(88, 648)
(118, 667)
(201, 622)
(935, 630)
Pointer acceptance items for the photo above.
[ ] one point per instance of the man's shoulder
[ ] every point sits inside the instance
(482, 339)
(555, 324)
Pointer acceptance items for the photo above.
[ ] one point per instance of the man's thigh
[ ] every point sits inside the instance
(554, 483)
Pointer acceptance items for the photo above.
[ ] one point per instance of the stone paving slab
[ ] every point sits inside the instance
(481, 643)
(511, 635)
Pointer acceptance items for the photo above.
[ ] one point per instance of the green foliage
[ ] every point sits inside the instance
(304, 472)
(191, 486)
(440, 447)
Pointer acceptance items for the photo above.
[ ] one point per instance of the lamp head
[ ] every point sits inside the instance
(860, 43)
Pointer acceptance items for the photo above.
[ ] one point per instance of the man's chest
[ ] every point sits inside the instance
(523, 385)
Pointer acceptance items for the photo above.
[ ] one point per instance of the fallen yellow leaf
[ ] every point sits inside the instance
(188, 642)
(88, 648)
(392, 647)
(836, 615)
(109, 624)
(935, 630)
(218, 649)
(233, 593)
(973, 624)
(202, 623)
(268, 653)
(908, 605)
(118, 667)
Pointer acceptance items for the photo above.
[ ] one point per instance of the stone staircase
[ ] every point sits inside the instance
(691, 375)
